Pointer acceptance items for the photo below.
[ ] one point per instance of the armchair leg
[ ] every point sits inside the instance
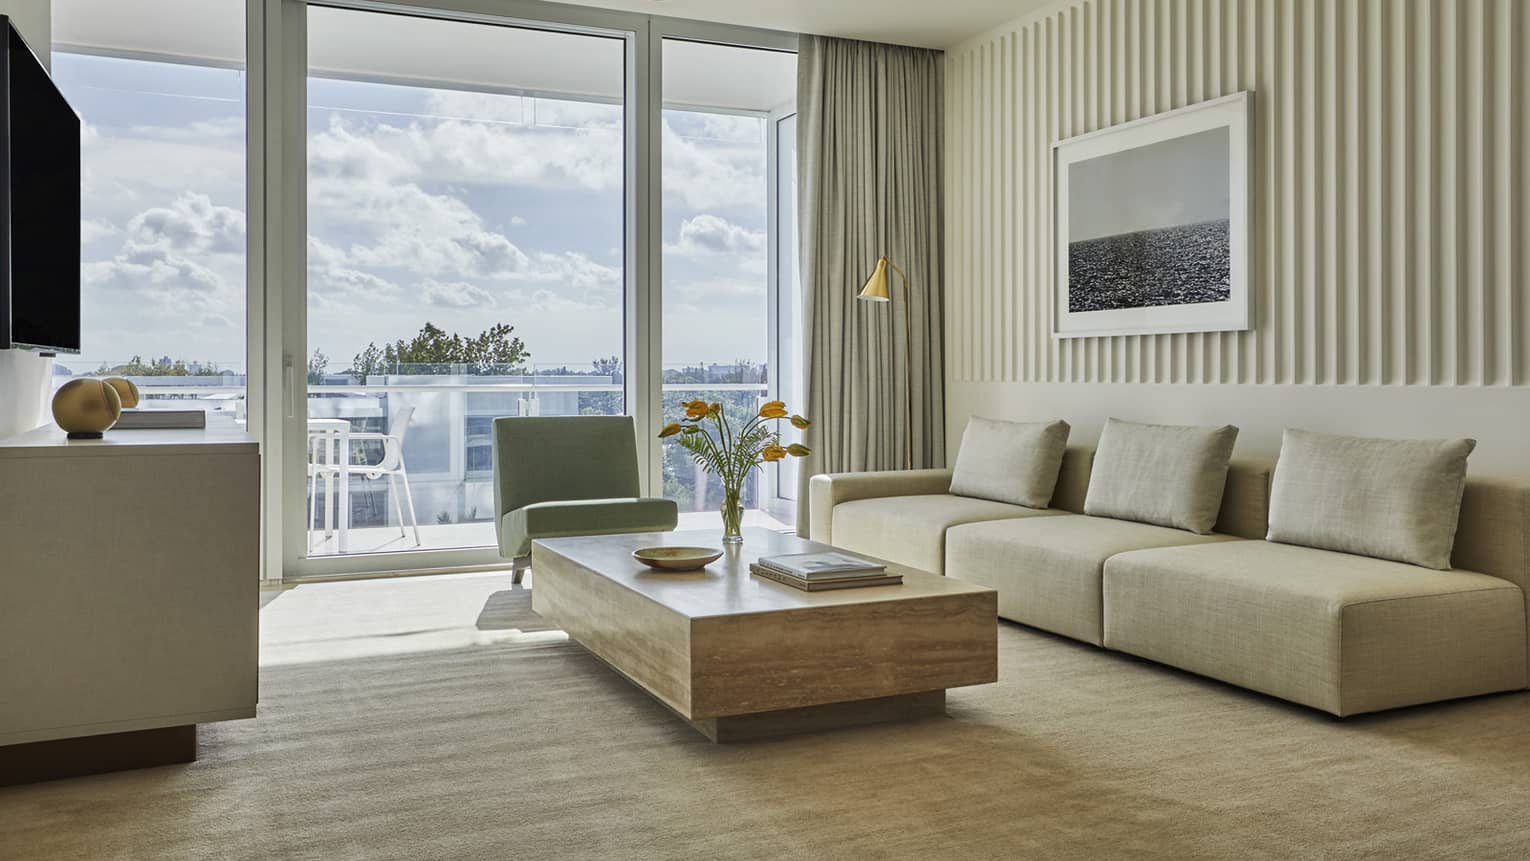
(518, 568)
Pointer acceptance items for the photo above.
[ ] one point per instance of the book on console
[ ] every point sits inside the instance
(882, 579)
(821, 566)
(161, 420)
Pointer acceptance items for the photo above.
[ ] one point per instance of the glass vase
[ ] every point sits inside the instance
(733, 515)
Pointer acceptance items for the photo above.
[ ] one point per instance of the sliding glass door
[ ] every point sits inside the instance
(566, 212)
(465, 261)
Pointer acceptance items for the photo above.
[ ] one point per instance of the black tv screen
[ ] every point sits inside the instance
(39, 206)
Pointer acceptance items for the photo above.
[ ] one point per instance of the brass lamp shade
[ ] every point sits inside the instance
(876, 286)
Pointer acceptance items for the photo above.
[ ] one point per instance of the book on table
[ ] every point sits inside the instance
(822, 566)
(862, 579)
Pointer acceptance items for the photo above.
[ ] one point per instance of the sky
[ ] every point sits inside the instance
(463, 209)
(1183, 180)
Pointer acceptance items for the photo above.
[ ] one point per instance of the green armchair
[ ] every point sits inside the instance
(569, 475)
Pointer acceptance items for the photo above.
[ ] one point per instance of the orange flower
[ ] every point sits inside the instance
(800, 423)
(797, 449)
(773, 453)
(669, 430)
(695, 409)
(714, 410)
(773, 410)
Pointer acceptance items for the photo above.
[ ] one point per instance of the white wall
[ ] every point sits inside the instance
(1392, 252)
(24, 376)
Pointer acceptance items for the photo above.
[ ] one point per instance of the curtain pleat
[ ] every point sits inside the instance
(869, 173)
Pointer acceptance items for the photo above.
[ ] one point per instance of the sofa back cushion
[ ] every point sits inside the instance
(1246, 500)
(1169, 475)
(1391, 499)
(1073, 479)
(1014, 462)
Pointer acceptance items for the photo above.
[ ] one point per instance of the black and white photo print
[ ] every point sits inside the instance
(1152, 225)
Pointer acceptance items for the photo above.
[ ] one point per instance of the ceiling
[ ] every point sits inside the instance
(218, 24)
(925, 23)
(433, 52)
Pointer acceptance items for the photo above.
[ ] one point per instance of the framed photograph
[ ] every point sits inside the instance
(1152, 220)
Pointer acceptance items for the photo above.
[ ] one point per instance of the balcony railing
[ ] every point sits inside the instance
(447, 441)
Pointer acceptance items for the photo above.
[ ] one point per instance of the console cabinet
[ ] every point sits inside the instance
(129, 602)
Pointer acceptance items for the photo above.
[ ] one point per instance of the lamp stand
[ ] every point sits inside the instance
(908, 365)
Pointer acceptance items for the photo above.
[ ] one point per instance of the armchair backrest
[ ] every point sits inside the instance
(556, 458)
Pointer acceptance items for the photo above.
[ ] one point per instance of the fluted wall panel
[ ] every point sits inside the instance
(1390, 178)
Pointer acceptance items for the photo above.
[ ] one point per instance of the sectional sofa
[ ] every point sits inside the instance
(1341, 632)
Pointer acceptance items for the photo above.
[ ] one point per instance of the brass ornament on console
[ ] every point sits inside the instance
(127, 391)
(86, 408)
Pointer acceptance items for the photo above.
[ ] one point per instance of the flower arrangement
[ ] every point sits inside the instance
(732, 454)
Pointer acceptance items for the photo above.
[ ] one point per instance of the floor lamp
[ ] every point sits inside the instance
(877, 290)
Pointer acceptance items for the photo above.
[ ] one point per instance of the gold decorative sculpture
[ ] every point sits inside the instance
(86, 408)
(127, 391)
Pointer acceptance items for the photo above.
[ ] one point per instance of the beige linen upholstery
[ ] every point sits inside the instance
(1389, 498)
(1246, 501)
(827, 491)
(1047, 570)
(911, 530)
(1171, 475)
(1014, 462)
(1346, 634)
(1073, 479)
(1494, 532)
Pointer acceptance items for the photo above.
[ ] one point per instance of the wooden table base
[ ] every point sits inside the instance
(822, 717)
(96, 754)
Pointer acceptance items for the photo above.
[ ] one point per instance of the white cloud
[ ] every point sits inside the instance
(472, 152)
(706, 175)
(708, 234)
(192, 224)
(457, 294)
(517, 221)
(92, 229)
(466, 253)
(332, 281)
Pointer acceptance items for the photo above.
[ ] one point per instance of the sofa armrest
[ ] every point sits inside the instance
(827, 491)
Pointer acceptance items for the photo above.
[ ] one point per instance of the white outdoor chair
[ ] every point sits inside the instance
(390, 465)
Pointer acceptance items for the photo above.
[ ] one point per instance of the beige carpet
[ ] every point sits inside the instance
(493, 738)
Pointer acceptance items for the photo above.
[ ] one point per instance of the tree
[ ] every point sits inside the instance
(162, 367)
(366, 363)
(435, 351)
(317, 365)
(603, 403)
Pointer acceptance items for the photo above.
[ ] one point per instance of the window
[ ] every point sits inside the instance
(163, 227)
(721, 108)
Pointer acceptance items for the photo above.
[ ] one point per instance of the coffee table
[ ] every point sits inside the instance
(741, 657)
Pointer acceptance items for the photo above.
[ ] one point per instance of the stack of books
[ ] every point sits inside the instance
(816, 572)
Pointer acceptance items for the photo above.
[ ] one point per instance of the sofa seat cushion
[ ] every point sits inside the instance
(583, 517)
(1346, 634)
(1048, 571)
(911, 530)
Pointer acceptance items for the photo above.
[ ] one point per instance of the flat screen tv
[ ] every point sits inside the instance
(39, 205)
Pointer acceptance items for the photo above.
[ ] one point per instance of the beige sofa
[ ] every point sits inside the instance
(1345, 634)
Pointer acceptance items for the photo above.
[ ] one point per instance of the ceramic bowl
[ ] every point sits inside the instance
(677, 558)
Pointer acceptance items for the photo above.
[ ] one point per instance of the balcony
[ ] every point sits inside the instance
(442, 418)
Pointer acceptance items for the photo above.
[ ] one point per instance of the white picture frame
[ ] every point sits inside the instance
(1147, 215)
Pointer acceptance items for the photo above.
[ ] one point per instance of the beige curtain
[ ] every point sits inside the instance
(869, 183)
